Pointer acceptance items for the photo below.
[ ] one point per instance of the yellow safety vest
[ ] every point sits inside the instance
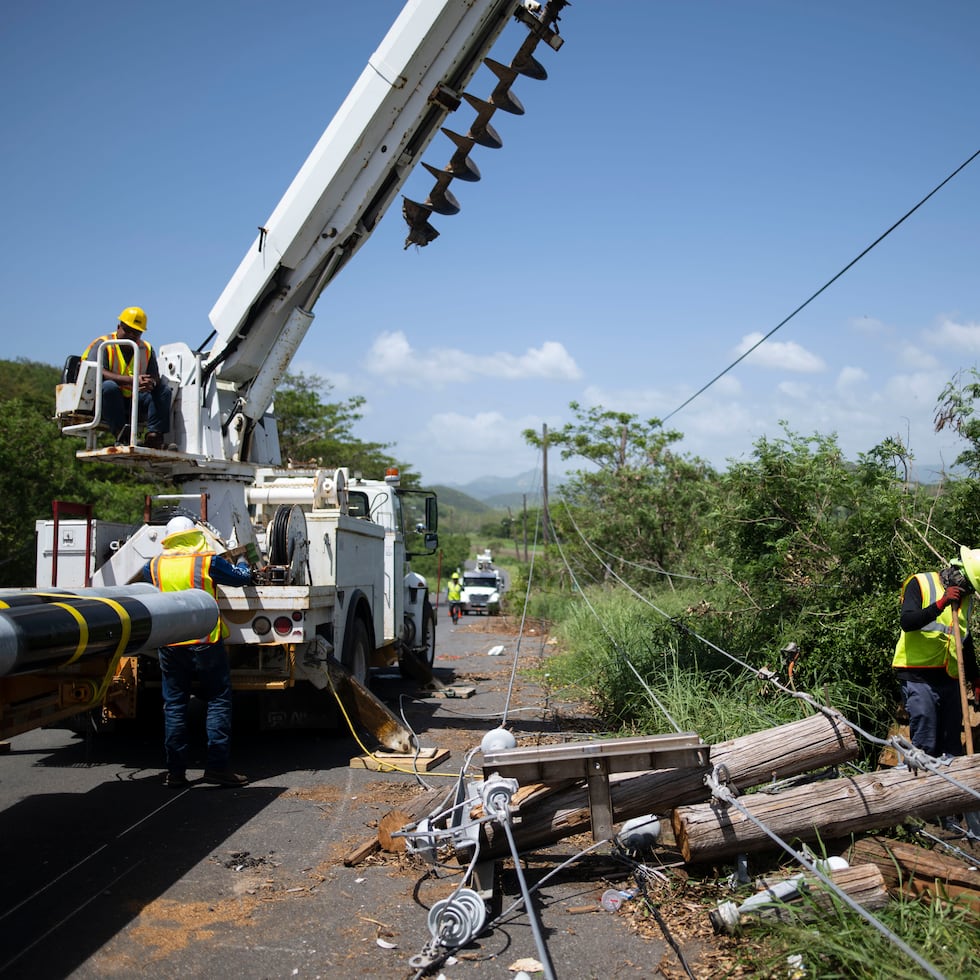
(115, 359)
(454, 592)
(175, 572)
(934, 645)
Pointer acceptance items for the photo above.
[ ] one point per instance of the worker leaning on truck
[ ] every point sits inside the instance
(187, 562)
(118, 373)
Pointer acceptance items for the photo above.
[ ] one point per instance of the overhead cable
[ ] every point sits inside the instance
(825, 286)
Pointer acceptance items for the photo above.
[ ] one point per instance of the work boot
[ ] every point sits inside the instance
(224, 777)
(154, 440)
(176, 780)
(122, 436)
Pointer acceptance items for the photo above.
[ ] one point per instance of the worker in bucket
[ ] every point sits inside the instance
(122, 373)
(188, 562)
(926, 662)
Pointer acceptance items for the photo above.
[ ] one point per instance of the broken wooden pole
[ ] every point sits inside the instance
(826, 810)
(916, 871)
(411, 812)
(775, 753)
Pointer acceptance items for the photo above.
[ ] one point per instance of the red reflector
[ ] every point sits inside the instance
(283, 625)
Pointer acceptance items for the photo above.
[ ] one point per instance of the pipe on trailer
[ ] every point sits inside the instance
(12, 598)
(72, 627)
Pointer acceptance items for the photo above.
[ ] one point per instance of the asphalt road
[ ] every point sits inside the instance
(107, 873)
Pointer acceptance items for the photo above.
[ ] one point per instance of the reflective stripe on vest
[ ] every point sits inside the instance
(934, 645)
(177, 572)
(114, 360)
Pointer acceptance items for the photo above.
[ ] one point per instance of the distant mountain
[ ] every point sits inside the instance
(501, 491)
(451, 498)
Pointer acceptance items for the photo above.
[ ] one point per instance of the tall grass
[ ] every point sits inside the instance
(836, 942)
(621, 650)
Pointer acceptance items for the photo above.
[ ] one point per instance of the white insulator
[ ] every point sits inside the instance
(640, 833)
(497, 740)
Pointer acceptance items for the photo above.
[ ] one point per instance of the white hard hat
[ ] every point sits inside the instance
(177, 524)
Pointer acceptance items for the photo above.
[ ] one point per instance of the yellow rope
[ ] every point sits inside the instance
(371, 755)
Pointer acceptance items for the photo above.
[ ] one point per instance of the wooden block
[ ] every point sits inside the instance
(384, 761)
(361, 852)
(451, 691)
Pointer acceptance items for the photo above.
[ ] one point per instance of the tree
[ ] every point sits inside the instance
(956, 410)
(640, 505)
(319, 433)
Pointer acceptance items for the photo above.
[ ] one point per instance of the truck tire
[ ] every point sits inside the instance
(428, 638)
(357, 651)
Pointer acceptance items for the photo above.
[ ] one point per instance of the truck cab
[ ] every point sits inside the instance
(482, 586)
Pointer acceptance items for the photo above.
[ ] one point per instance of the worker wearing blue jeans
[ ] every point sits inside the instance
(188, 562)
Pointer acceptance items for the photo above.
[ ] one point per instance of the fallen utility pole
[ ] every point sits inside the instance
(828, 810)
(777, 753)
(916, 871)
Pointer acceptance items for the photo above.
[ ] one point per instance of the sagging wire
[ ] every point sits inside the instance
(520, 631)
(915, 758)
(532, 913)
(969, 859)
(824, 287)
(518, 902)
(653, 697)
(648, 568)
(721, 791)
(641, 874)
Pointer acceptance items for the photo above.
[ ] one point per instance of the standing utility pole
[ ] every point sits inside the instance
(545, 519)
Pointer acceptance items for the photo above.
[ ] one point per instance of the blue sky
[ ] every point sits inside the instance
(688, 175)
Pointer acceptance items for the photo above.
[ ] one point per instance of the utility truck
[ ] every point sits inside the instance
(482, 585)
(337, 587)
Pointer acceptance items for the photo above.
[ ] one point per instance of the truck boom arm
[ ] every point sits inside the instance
(411, 83)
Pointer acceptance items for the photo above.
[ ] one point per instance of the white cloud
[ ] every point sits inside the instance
(797, 390)
(392, 356)
(914, 356)
(782, 355)
(964, 337)
(868, 324)
(850, 376)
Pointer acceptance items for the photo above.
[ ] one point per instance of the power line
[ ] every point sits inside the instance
(828, 283)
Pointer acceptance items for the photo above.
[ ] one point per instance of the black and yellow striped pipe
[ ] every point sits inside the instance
(44, 629)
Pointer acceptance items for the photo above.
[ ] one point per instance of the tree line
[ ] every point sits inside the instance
(795, 544)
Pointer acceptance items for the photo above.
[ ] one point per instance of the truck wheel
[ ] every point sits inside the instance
(428, 638)
(357, 651)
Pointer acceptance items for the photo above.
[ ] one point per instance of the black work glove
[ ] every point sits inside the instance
(953, 594)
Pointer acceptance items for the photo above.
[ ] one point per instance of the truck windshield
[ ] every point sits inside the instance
(480, 581)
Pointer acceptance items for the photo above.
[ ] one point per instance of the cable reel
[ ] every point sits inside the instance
(289, 546)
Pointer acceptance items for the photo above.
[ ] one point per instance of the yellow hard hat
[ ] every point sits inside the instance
(971, 565)
(454, 575)
(134, 318)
